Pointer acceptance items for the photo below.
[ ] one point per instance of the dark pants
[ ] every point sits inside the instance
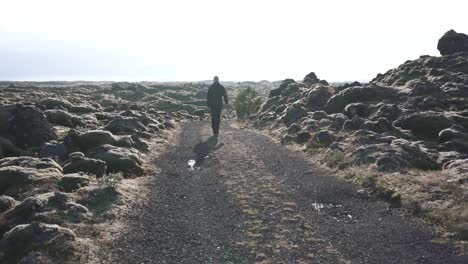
(215, 119)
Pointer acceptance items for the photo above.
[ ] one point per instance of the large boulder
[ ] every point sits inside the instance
(6, 202)
(270, 104)
(318, 96)
(452, 42)
(95, 196)
(25, 125)
(294, 128)
(55, 241)
(63, 118)
(338, 102)
(294, 113)
(56, 103)
(357, 109)
(425, 124)
(126, 160)
(311, 78)
(457, 144)
(453, 133)
(32, 209)
(416, 154)
(284, 84)
(14, 178)
(370, 153)
(397, 155)
(72, 182)
(94, 138)
(25, 176)
(458, 171)
(30, 162)
(79, 163)
(51, 208)
(123, 124)
(454, 138)
(338, 121)
(291, 89)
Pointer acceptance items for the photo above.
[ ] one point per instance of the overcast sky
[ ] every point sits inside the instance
(238, 40)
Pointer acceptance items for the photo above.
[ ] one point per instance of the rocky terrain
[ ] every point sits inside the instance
(404, 135)
(66, 146)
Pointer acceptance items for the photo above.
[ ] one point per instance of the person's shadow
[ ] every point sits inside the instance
(203, 149)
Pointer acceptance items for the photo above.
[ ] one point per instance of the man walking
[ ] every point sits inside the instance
(214, 99)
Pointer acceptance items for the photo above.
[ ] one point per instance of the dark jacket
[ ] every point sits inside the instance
(214, 98)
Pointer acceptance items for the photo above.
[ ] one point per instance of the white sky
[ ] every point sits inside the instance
(340, 40)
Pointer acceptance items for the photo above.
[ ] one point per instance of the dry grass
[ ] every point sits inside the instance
(425, 194)
(336, 159)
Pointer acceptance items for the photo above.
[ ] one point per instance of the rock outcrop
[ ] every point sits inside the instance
(25, 125)
(452, 42)
(79, 163)
(410, 117)
(126, 160)
(45, 208)
(63, 118)
(403, 136)
(24, 176)
(73, 182)
(6, 202)
(53, 240)
(94, 138)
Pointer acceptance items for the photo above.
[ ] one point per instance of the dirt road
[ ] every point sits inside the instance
(249, 200)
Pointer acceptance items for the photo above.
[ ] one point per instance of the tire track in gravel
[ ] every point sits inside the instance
(274, 230)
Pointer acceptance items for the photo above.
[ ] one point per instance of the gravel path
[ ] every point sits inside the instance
(254, 201)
